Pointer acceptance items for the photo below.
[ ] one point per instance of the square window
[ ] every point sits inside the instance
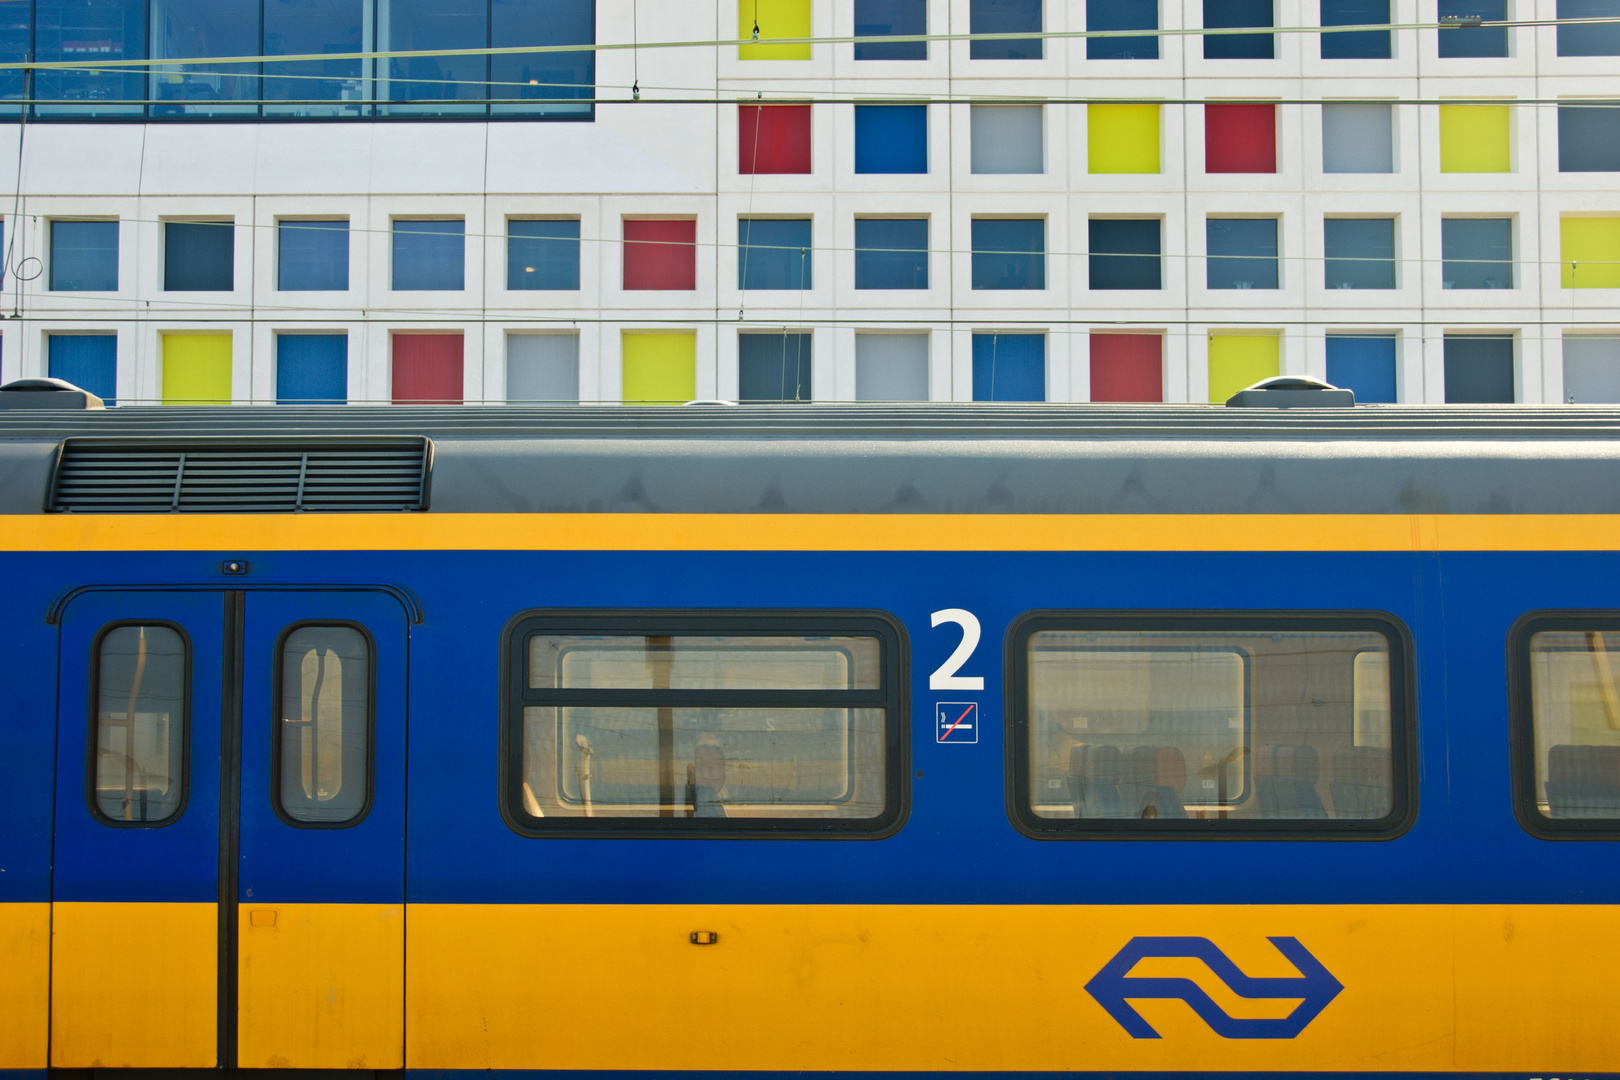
(1009, 253)
(891, 253)
(312, 369)
(1355, 44)
(1233, 14)
(196, 369)
(430, 256)
(660, 256)
(88, 361)
(773, 139)
(1591, 252)
(1475, 139)
(1476, 253)
(1007, 138)
(1240, 138)
(762, 20)
(1238, 362)
(891, 138)
(891, 18)
(199, 256)
(1589, 138)
(1009, 367)
(427, 369)
(1358, 137)
(1363, 364)
(1479, 369)
(312, 256)
(84, 256)
(542, 255)
(542, 368)
(1005, 17)
(891, 367)
(1122, 138)
(1591, 370)
(1125, 254)
(1242, 254)
(1127, 367)
(1117, 15)
(1474, 41)
(659, 369)
(773, 367)
(774, 253)
(1360, 253)
(551, 84)
(1592, 39)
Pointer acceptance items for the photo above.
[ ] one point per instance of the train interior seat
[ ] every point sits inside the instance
(1094, 776)
(1358, 781)
(1289, 791)
(1583, 781)
(1154, 778)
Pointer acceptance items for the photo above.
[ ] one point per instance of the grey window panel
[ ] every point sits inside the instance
(1597, 39)
(1476, 253)
(1591, 370)
(1589, 138)
(1358, 138)
(1008, 138)
(1482, 41)
(891, 367)
(1242, 253)
(542, 367)
(774, 367)
(1360, 253)
(1479, 369)
(199, 256)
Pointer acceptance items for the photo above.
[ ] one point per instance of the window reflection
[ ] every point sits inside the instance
(432, 85)
(315, 87)
(195, 28)
(89, 30)
(323, 724)
(546, 84)
(140, 724)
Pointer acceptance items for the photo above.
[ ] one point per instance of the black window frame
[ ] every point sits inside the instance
(277, 670)
(1403, 726)
(95, 724)
(893, 697)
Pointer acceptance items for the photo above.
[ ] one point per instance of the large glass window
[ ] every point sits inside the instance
(198, 28)
(675, 725)
(315, 87)
(548, 84)
(891, 18)
(1566, 724)
(84, 256)
(1210, 726)
(141, 697)
(16, 34)
(67, 31)
(323, 725)
(542, 255)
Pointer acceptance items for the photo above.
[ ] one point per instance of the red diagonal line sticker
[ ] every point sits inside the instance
(959, 719)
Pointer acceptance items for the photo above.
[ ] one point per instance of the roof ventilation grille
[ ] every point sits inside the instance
(1292, 392)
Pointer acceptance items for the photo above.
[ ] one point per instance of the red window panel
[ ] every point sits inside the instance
(1127, 367)
(1240, 138)
(660, 255)
(427, 369)
(773, 139)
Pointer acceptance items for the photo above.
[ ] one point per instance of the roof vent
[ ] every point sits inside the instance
(1291, 392)
(241, 476)
(46, 394)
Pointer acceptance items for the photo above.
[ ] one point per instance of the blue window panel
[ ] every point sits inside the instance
(1476, 253)
(542, 255)
(312, 256)
(891, 253)
(196, 28)
(1009, 254)
(559, 85)
(312, 369)
(1364, 363)
(16, 32)
(1589, 138)
(773, 367)
(1230, 14)
(885, 18)
(1479, 369)
(433, 85)
(1355, 44)
(1242, 253)
(1597, 39)
(1360, 253)
(1009, 367)
(1125, 254)
(88, 361)
(1477, 41)
(429, 255)
(315, 87)
(199, 256)
(84, 256)
(1118, 15)
(66, 30)
(774, 254)
(1005, 17)
(891, 138)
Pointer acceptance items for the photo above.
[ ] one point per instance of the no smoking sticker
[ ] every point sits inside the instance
(956, 722)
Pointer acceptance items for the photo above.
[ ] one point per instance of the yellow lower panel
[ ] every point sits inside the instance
(322, 986)
(25, 984)
(1425, 988)
(134, 985)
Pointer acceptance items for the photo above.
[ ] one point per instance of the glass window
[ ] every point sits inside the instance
(1592, 39)
(432, 85)
(84, 256)
(1360, 253)
(68, 31)
(746, 725)
(1209, 726)
(542, 368)
(312, 256)
(1364, 364)
(1591, 369)
(315, 87)
(197, 28)
(1242, 253)
(430, 255)
(1117, 15)
(141, 695)
(1476, 253)
(1230, 14)
(199, 256)
(1465, 41)
(559, 85)
(542, 255)
(891, 138)
(1005, 17)
(90, 362)
(15, 38)
(1589, 137)
(891, 253)
(1125, 254)
(323, 725)
(1358, 137)
(1007, 139)
(1009, 367)
(1479, 369)
(891, 18)
(774, 253)
(891, 367)
(1566, 724)
(1009, 253)
(312, 369)
(1355, 44)
(774, 367)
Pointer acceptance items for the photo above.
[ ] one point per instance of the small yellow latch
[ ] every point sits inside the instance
(704, 937)
(262, 917)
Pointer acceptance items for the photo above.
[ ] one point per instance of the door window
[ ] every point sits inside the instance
(323, 725)
(138, 772)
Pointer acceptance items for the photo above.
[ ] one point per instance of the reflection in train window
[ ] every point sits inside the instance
(140, 736)
(323, 725)
(779, 725)
(1574, 736)
(1209, 726)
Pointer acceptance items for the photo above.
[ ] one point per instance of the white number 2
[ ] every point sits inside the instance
(946, 677)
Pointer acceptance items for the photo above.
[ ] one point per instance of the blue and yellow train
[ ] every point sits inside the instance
(1107, 740)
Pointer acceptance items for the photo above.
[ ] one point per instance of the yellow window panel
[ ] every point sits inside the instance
(196, 369)
(1591, 248)
(1475, 139)
(1239, 362)
(776, 19)
(659, 369)
(1122, 138)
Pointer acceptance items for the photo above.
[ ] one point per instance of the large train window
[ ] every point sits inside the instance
(1566, 724)
(1227, 726)
(322, 722)
(141, 681)
(732, 725)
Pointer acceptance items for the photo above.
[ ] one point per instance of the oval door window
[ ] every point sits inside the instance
(140, 679)
(323, 725)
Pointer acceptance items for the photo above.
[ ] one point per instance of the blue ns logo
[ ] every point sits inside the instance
(1113, 985)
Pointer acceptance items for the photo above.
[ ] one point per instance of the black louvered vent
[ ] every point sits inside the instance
(241, 476)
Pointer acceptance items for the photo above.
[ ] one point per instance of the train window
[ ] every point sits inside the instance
(322, 716)
(1174, 726)
(731, 726)
(1566, 724)
(141, 680)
